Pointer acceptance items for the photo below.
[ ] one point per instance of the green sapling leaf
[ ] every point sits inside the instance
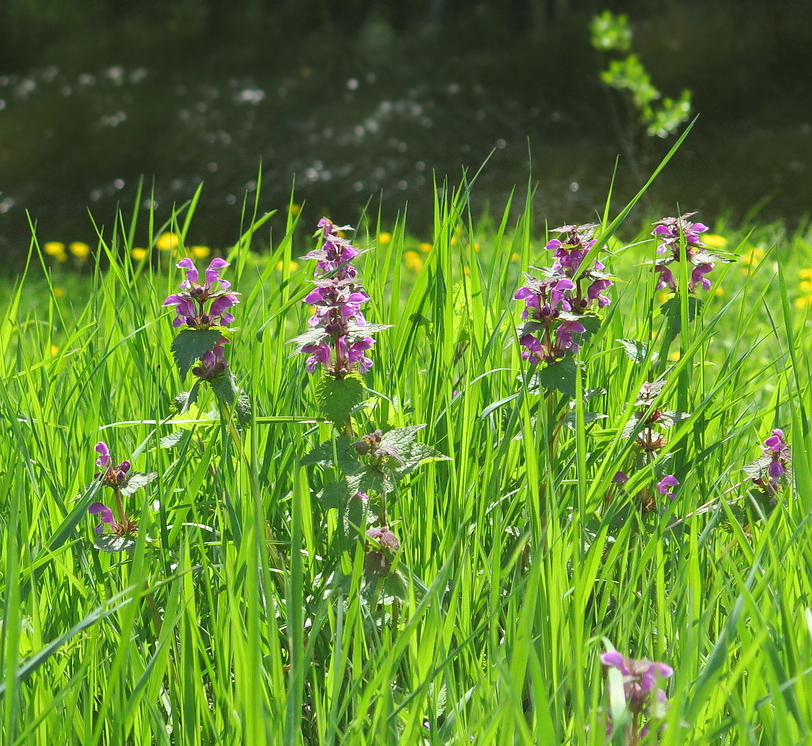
(136, 480)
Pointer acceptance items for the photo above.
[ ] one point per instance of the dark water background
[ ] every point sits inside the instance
(370, 115)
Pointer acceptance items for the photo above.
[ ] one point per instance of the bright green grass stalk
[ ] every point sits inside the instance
(241, 617)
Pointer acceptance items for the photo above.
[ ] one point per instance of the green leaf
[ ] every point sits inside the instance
(636, 350)
(671, 309)
(324, 455)
(337, 397)
(559, 376)
(333, 495)
(111, 543)
(136, 481)
(190, 345)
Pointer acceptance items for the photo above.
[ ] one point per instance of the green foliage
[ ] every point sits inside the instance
(190, 344)
(251, 608)
(612, 33)
(337, 397)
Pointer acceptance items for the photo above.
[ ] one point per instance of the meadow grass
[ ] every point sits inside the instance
(242, 614)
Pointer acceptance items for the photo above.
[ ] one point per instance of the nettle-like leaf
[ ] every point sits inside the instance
(631, 425)
(324, 455)
(337, 397)
(669, 419)
(333, 494)
(136, 480)
(174, 439)
(370, 479)
(757, 468)
(314, 336)
(111, 543)
(190, 344)
(403, 444)
(671, 308)
(226, 389)
(636, 350)
(708, 257)
(571, 420)
(558, 376)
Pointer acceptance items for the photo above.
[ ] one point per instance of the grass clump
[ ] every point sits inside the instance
(545, 520)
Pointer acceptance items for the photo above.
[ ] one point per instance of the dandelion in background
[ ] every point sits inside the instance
(644, 699)
(191, 303)
(680, 239)
(339, 337)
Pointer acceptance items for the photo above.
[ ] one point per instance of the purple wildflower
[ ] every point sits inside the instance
(190, 303)
(116, 477)
(770, 471)
(340, 334)
(113, 475)
(680, 239)
(640, 683)
(664, 485)
(554, 304)
(213, 363)
(106, 516)
(620, 478)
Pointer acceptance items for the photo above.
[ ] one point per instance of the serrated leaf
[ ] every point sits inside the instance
(636, 350)
(570, 419)
(136, 481)
(190, 344)
(225, 388)
(337, 397)
(243, 410)
(333, 495)
(310, 337)
(323, 455)
(669, 419)
(559, 376)
(173, 439)
(369, 479)
(671, 309)
(111, 543)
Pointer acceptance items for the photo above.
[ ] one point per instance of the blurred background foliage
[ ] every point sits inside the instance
(359, 100)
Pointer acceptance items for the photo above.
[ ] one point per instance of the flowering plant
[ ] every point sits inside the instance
(555, 305)
(123, 482)
(191, 302)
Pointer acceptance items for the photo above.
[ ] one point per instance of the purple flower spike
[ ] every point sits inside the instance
(665, 483)
(192, 302)
(106, 516)
(339, 334)
(213, 363)
(104, 454)
(640, 679)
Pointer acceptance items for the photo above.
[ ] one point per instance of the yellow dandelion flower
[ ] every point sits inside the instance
(200, 252)
(805, 274)
(514, 257)
(54, 248)
(714, 241)
(477, 247)
(79, 249)
(466, 270)
(54, 350)
(454, 241)
(413, 260)
(720, 291)
(805, 286)
(424, 247)
(168, 241)
(675, 355)
(139, 254)
(663, 297)
(59, 293)
(63, 257)
(804, 302)
(280, 265)
(754, 256)
(384, 238)
(294, 209)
